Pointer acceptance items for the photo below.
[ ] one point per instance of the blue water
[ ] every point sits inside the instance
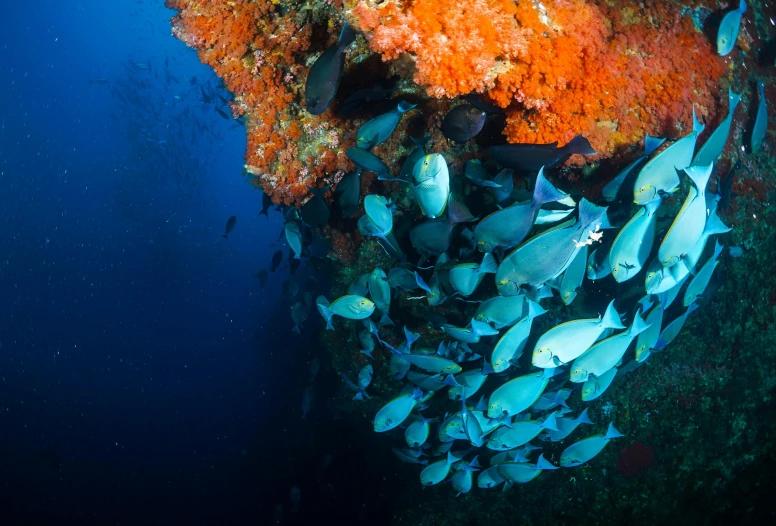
(145, 376)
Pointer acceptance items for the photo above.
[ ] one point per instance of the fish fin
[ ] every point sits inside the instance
(697, 126)
(318, 192)
(405, 106)
(742, 7)
(358, 396)
(590, 213)
(660, 345)
(579, 145)
(714, 225)
(691, 309)
(420, 143)
(451, 381)
(542, 463)
(549, 423)
(652, 143)
(347, 36)
(296, 329)
(612, 432)
(480, 328)
(481, 405)
(583, 418)
(487, 368)
(718, 248)
(411, 337)
(264, 213)
(545, 192)
(368, 354)
(638, 326)
(385, 320)
(699, 175)
(733, 99)
(488, 265)
(457, 212)
(611, 320)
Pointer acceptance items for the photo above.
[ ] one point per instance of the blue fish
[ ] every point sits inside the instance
(377, 130)
(728, 29)
(761, 121)
(324, 77)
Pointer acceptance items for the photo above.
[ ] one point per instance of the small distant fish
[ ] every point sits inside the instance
(308, 398)
(262, 277)
(229, 226)
(350, 307)
(463, 122)
(295, 496)
(325, 74)
(266, 204)
(587, 448)
(728, 29)
(315, 212)
(299, 313)
(290, 288)
(761, 121)
(532, 157)
(313, 368)
(223, 114)
(725, 186)
(376, 131)
(277, 257)
(294, 238)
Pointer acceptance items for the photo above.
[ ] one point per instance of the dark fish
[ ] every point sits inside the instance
(531, 157)
(266, 204)
(463, 123)
(355, 102)
(262, 277)
(290, 288)
(725, 187)
(277, 257)
(481, 103)
(434, 236)
(293, 263)
(325, 75)
(193, 80)
(370, 161)
(223, 114)
(223, 99)
(348, 192)
(230, 226)
(415, 155)
(205, 97)
(315, 212)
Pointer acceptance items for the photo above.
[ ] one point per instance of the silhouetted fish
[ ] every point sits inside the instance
(315, 212)
(230, 226)
(262, 277)
(348, 192)
(277, 257)
(325, 75)
(463, 122)
(531, 157)
(266, 204)
(293, 262)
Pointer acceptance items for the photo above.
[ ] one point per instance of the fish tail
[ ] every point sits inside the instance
(296, 329)
(488, 265)
(549, 423)
(545, 192)
(579, 145)
(714, 225)
(367, 353)
(700, 176)
(542, 463)
(697, 125)
(358, 396)
(583, 418)
(421, 143)
(611, 320)
(590, 213)
(651, 144)
(612, 432)
(742, 7)
(458, 213)
(405, 106)
(534, 309)
(733, 100)
(385, 320)
(318, 192)
(638, 326)
(451, 381)
(347, 36)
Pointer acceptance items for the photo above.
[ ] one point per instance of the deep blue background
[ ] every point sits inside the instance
(145, 377)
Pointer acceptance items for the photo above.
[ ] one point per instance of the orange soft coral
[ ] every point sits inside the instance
(561, 67)
(254, 49)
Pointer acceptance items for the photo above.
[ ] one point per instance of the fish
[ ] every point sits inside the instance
(725, 186)
(463, 480)
(605, 354)
(295, 495)
(469, 383)
(727, 34)
(760, 121)
(471, 333)
(427, 382)
(266, 204)
(308, 398)
(551, 400)
(659, 175)
(701, 280)
(566, 426)
(471, 426)
(368, 344)
(299, 313)
(293, 264)
(509, 348)
(433, 237)
(359, 286)
(417, 432)
(547, 255)
(689, 224)
(376, 131)
(520, 433)
(480, 102)
(294, 238)
(417, 153)
(532, 157)
(518, 394)
(463, 122)
(466, 277)
(660, 279)
(368, 228)
(360, 391)
(262, 277)
(612, 189)
(223, 114)
(229, 226)
(407, 456)
(573, 277)
(672, 330)
(501, 311)
(431, 185)
(598, 263)
(358, 100)
(376, 207)
(521, 472)
(315, 212)
(396, 411)
(504, 185)
(348, 193)
(633, 244)
(325, 74)
(489, 478)
(365, 376)
(714, 226)
(647, 340)
(401, 278)
(712, 148)
(349, 306)
(506, 228)
(290, 288)
(567, 341)
(369, 161)
(437, 472)
(277, 257)
(476, 173)
(587, 448)
(545, 217)
(380, 292)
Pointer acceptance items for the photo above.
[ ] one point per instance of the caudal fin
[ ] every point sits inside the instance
(611, 320)
(458, 213)
(590, 214)
(488, 265)
(612, 432)
(700, 176)
(652, 143)
(545, 192)
(347, 36)
(638, 326)
(579, 145)
(714, 225)
(405, 106)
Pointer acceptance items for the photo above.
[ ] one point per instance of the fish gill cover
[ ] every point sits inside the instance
(582, 84)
